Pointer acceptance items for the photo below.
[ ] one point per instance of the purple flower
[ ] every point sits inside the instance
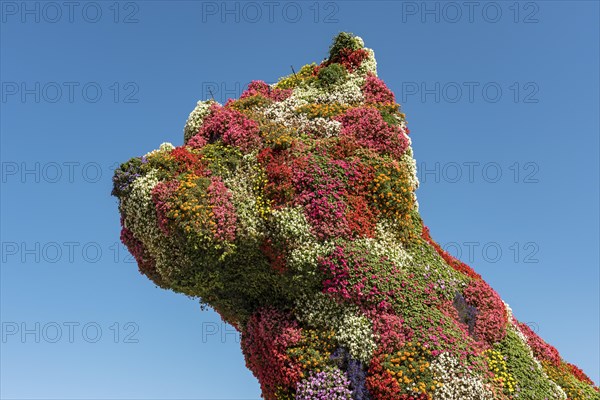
(125, 175)
(466, 312)
(354, 371)
(330, 384)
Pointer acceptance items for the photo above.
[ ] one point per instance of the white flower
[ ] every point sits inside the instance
(458, 382)
(369, 65)
(241, 183)
(139, 211)
(164, 147)
(320, 311)
(359, 41)
(409, 163)
(385, 245)
(558, 391)
(352, 330)
(355, 333)
(195, 119)
(290, 224)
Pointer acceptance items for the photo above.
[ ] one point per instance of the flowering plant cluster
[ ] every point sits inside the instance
(329, 384)
(291, 211)
(499, 370)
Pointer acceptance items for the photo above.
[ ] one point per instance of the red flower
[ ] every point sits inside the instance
(265, 341)
(579, 374)
(263, 89)
(146, 263)
(376, 91)
(230, 126)
(491, 319)
(453, 262)
(161, 194)
(351, 59)
(540, 348)
(369, 129)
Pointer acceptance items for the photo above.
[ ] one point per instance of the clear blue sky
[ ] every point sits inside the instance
(81, 92)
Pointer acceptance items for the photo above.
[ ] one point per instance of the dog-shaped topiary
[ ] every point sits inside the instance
(291, 211)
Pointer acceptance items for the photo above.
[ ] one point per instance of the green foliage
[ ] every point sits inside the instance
(314, 349)
(239, 284)
(314, 225)
(277, 136)
(391, 190)
(497, 366)
(220, 159)
(411, 368)
(250, 103)
(332, 75)
(390, 115)
(305, 75)
(344, 40)
(574, 388)
(531, 382)
(427, 266)
(284, 394)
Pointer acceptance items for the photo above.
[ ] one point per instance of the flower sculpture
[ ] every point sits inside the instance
(291, 211)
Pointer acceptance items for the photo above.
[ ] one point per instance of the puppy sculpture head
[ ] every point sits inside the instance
(291, 212)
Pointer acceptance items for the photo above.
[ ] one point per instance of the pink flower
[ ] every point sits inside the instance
(223, 210)
(262, 89)
(491, 320)
(230, 126)
(540, 348)
(268, 335)
(376, 91)
(161, 194)
(367, 126)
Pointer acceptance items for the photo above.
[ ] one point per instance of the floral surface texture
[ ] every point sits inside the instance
(291, 212)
